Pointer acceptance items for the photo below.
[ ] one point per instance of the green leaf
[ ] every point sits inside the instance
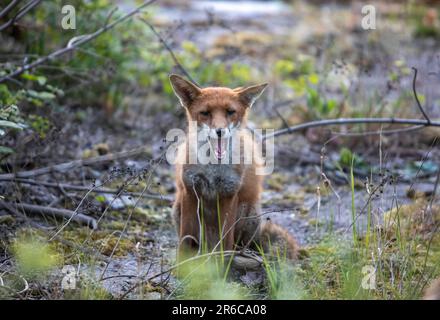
(31, 77)
(100, 198)
(5, 150)
(42, 95)
(9, 124)
(314, 78)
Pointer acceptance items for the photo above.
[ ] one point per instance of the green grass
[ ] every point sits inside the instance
(353, 206)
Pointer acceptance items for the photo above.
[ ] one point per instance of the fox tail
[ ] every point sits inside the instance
(275, 241)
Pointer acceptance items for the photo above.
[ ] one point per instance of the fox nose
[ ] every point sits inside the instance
(219, 132)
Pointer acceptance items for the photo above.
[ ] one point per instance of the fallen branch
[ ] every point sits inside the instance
(62, 167)
(342, 121)
(95, 190)
(48, 211)
(75, 42)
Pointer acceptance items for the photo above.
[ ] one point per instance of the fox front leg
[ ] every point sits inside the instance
(189, 225)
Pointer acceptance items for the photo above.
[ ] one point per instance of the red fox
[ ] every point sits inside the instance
(222, 198)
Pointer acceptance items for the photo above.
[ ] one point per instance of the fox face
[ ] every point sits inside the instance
(219, 112)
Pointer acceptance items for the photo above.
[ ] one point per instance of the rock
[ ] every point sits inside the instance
(420, 190)
(153, 296)
(118, 203)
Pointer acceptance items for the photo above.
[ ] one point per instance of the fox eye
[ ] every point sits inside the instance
(230, 112)
(204, 113)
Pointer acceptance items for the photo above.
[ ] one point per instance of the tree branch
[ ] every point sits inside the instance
(341, 121)
(419, 105)
(28, 7)
(8, 8)
(48, 211)
(95, 190)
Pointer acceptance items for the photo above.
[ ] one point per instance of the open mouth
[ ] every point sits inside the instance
(219, 147)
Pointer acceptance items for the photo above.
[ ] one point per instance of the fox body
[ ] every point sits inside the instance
(221, 196)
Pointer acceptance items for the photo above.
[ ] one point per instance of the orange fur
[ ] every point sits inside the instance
(240, 212)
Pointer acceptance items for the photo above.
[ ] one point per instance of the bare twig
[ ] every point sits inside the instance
(85, 188)
(383, 132)
(283, 120)
(419, 105)
(47, 211)
(75, 42)
(168, 48)
(342, 121)
(8, 8)
(20, 14)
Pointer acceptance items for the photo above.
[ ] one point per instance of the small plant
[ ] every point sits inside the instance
(34, 257)
(202, 279)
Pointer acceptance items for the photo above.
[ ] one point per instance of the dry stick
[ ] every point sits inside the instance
(168, 48)
(62, 167)
(97, 190)
(417, 97)
(342, 121)
(283, 120)
(48, 211)
(75, 42)
(28, 7)
(383, 132)
(8, 8)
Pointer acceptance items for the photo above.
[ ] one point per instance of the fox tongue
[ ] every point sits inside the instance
(219, 146)
(220, 149)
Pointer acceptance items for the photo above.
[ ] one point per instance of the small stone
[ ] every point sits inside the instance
(420, 190)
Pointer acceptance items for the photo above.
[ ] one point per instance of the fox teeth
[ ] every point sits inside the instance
(220, 147)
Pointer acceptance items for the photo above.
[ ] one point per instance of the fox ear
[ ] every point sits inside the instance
(249, 95)
(185, 90)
